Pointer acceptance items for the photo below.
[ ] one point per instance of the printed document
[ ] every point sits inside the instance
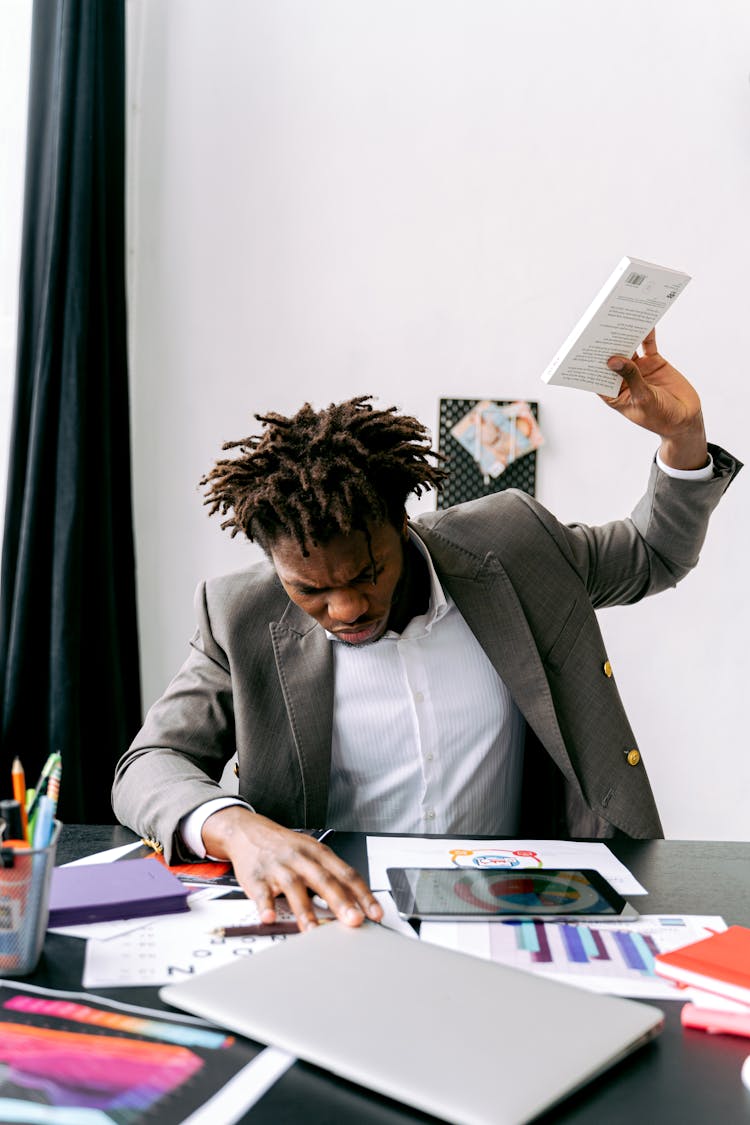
(627, 307)
(410, 851)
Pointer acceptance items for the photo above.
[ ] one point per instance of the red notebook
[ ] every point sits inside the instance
(720, 964)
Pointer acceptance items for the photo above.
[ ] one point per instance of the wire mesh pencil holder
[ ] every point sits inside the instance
(25, 876)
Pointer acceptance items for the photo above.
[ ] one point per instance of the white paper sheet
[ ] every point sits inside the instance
(410, 851)
(109, 856)
(614, 957)
(392, 920)
(175, 946)
(103, 931)
(246, 1088)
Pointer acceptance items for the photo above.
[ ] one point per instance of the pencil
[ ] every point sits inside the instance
(19, 793)
(262, 929)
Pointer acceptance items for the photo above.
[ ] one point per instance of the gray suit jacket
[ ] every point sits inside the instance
(259, 680)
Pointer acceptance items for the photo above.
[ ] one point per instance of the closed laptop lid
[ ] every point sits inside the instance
(464, 1039)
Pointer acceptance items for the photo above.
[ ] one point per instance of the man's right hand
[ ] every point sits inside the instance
(269, 860)
(657, 397)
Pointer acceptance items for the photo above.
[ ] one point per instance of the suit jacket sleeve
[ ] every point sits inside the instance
(626, 560)
(176, 761)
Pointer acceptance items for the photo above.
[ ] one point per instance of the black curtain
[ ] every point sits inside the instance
(69, 667)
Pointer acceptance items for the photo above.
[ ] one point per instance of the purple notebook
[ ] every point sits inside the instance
(101, 892)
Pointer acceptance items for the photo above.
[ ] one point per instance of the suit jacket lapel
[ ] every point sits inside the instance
(489, 604)
(305, 667)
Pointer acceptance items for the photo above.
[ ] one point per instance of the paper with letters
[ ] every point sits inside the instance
(173, 947)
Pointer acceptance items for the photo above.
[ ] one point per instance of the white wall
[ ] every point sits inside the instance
(417, 198)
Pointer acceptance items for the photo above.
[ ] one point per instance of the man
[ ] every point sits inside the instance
(446, 675)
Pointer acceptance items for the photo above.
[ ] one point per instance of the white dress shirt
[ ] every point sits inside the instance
(426, 736)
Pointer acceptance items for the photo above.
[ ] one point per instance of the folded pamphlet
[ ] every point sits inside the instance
(626, 308)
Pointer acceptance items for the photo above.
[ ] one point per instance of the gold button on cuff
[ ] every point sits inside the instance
(607, 669)
(633, 757)
(236, 769)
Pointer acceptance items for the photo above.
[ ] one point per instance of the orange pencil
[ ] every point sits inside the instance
(19, 792)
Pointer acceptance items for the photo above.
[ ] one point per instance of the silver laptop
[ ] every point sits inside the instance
(462, 1038)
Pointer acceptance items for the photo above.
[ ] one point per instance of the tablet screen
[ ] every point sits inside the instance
(458, 892)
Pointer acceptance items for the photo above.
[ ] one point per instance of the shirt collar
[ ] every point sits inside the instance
(439, 602)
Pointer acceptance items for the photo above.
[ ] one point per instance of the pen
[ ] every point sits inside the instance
(30, 816)
(53, 784)
(19, 793)
(44, 816)
(262, 929)
(41, 784)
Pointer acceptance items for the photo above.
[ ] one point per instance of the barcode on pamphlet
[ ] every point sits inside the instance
(635, 279)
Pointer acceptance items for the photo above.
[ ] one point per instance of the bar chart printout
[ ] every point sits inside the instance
(604, 957)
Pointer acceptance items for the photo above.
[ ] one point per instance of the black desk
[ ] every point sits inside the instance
(684, 1076)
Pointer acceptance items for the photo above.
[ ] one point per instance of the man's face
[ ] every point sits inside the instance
(333, 584)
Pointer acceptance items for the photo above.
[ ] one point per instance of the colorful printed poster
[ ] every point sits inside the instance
(76, 1058)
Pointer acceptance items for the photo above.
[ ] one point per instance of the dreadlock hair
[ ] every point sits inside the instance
(323, 473)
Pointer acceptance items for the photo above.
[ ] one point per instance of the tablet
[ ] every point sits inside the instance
(457, 893)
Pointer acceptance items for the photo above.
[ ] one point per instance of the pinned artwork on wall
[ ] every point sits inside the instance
(490, 445)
